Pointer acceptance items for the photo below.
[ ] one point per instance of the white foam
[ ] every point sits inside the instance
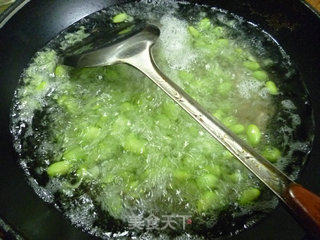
(288, 104)
(249, 87)
(174, 40)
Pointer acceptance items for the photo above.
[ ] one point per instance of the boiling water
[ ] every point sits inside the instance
(134, 163)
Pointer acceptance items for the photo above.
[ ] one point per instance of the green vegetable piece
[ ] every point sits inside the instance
(260, 75)
(58, 168)
(272, 154)
(120, 125)
(215, 170)
(81, 172)
(93, 172)
(224, 88)
(251, 65)
(235, 177)
(74, 154)
(60, 71)
(41, 86)
(171, 110)
(121, 17)
(204, 24)
(190, 163)
(253, 134)
(91, 133)
(219, 114)
(249, 195)
(237, 128)
(229, 121)
(126, 30)
(198, 43)
(163, 122)
(108, 146)
(109, 178)
(272, 88)
(134, 144)
(194, 32)
(207, 201)
(227, 154)
(207, 181)
(68, 103)
(181, 175)
(115, 207)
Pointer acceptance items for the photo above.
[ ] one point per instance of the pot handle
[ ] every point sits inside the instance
(313, 5)
(305, 206)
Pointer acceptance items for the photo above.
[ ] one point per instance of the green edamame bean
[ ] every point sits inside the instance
(272, 88)
(91, 133)
(207, 201)
(200, 44)
(249, 195)
(82, 172)
(227, 154)
(58, 168)
(109, 178)
(181, 175)
(109, 146)
(114, 205)
(235, 177)
(171, 110)
(218, 114)
(251, 65)
(204, 24)
(134, 144)
(41, 86)
(69, 103)
(194, 32)
(253, 134)
(126, 30)
(260, 75)
(229, 121)
(60, 71)
(207, 181)
(237, 128)
(215, 170)
(74, 154)
(121, 17)
(272, 154)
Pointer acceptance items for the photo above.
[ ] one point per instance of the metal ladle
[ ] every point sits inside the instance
(135, 51)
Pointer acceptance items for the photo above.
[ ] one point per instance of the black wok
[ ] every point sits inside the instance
(290, 22)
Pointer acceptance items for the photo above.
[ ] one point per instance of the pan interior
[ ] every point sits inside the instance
(66, 115)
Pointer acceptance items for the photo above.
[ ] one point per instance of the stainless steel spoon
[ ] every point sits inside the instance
(135, 51)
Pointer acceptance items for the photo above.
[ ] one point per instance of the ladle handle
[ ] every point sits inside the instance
(305, 206)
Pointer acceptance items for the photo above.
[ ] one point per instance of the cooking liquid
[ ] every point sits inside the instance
(135, 155)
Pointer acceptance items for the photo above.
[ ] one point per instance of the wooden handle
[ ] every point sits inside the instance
(305, 205)
(315, 4)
